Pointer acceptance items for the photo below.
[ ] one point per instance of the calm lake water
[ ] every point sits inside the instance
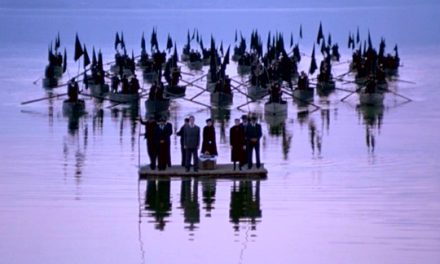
(345, 184)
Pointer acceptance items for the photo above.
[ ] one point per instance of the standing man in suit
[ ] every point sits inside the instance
(162, 135)
(191, 139)
(181, 134)
(252, 135)
(150, 126)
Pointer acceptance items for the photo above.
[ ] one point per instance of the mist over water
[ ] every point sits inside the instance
(345, 184)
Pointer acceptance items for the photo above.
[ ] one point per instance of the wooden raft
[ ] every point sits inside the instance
(222, 171)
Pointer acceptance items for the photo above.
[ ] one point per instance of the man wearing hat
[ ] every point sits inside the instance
(252, 137)
(162, 134)
(150, 126)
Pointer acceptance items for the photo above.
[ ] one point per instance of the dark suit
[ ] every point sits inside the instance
(181, 134)
(252, 135)
(150, 126)
(162, 142)
(191, 140)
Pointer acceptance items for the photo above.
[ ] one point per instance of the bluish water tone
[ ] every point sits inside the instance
(345, 184)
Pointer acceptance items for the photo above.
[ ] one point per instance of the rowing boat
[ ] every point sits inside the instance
(73, 108)
(175, 91)
(195, 65)
(243, 69)
(125, 71)
(157, 106)
(50, 82)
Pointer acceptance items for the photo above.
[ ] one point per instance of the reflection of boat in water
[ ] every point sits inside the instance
(74, 108)
(155, 106)
(175, 91)
(98, 89)
(325, 88)
(372, 115)
(220, 113)
(257, 92)
(375, 98)
(303, 94)
(275, 108)
(124, 98)
(221, 98)
(275, 122)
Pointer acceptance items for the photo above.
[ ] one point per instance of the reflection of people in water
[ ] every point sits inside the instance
(158, 202)
(208, 190)
(245, 203)
(189, 201)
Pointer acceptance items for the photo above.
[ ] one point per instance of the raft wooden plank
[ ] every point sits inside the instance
(222, 171)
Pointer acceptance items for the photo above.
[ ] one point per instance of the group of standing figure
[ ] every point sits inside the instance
(244, 138)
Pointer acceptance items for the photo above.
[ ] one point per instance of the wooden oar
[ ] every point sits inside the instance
(42, 99)
(187, 73)
(357, 90)
(195, 85)
(395, 93)
(192, 101)
(195, 80)
(399, 80)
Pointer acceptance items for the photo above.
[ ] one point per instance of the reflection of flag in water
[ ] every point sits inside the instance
(313, 65)
(78, 48)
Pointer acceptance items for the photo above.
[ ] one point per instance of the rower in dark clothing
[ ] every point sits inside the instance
(125, 85)
(371, 85)
(275, 93)
(253, 134)
(162, 134)
(181, 134)
(209, 145)
(134, 85)
(303, 81)
(115, 83)
(72, 90)
(237, 143)
(150, 126)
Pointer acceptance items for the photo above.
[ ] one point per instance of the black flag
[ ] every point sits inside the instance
(329, 40)
(313, 65)
(86, 57)
(236, 36)
(57, 42)
(143, 42)
(221, 47)
(300, 31)
(169, 43)
(370, 45)
(117, 40)
(65, 61)
(320, 34)
(358, 37)
(291, 40)
(94, 60)
(78, 49)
